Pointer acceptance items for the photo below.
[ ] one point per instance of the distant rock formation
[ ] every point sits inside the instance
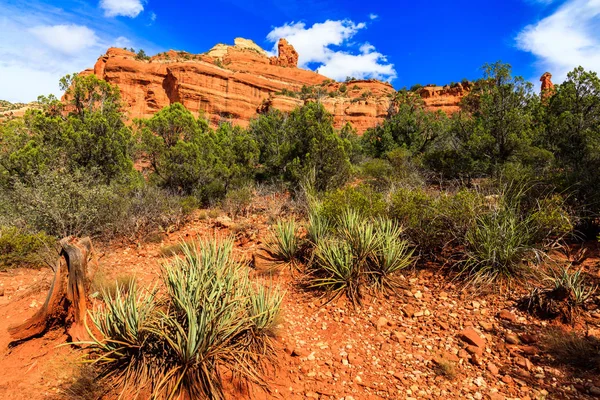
(547, 85)
(446, 98)
(234, 83)
(288, 57)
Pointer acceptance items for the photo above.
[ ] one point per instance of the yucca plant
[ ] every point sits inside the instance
(360, 235)
(392, 254)
(212, 318)
(126, 353)
(337, 271)
(284, 244)
(499, 246)
(319, 227)
(572, 284)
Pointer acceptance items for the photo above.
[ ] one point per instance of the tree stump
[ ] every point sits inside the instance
(66, 303)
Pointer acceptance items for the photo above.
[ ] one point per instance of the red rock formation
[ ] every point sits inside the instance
(547, 85)
(446, 98)
(236, 82)
(288, 57)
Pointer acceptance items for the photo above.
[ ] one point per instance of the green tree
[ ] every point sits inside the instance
(409, 125)
(573, 135)
(501, 127)
(92, 138)
(182, 153)
(300, 145)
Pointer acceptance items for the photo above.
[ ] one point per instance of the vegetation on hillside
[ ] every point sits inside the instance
(484, 193)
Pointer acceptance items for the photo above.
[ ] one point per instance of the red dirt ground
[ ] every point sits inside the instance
(391, 348)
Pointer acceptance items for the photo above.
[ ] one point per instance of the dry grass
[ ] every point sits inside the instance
(573, 349)
(102, 286)
(445, 368)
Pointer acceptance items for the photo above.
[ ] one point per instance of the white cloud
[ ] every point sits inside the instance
(39, 46)
(315, 45)
(125, 8)
(373, 16)
(566, 39)
(122, 42)
(152, 16)
(68, 39)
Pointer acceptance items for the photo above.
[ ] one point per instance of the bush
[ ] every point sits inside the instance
(361, 199)
(62, 205)
(238, 201)
(19, 249)
(212, 319)
(434, 222)
(499, 246)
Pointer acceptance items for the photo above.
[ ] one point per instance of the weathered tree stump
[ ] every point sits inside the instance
(66, 303)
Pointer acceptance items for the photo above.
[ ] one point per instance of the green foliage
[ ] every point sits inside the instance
(409, 126)
(361, 199)
(573, 135)
(397, 168)
(284, 244)
(499, 246)
(343, 88)
(573, 284)
(433, 222)
(300, 145)
(189, 158)
(238, 201)
(355, 254)
(20, 249)
(141, 55)
(92, 139)
(212, 317)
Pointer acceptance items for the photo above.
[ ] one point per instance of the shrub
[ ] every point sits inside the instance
(434, 222)
(499, 246)
(551, 219)
(212, 318)
(238, 201)
(362, 199)
(62, 204)
(20, 249)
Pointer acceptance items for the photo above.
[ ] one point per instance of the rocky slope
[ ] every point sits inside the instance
(235, 82)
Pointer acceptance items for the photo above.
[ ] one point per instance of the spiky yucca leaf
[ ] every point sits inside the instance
(359, 233)
(338, 270)
(207, 323)
(392, 254)
(319, 228)
(284, 243)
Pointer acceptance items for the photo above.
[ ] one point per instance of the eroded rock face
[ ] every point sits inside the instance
(547, 85)
(288, 57)
(446, 98)
(234, 83)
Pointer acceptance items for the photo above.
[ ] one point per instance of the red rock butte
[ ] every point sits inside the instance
(236, 82)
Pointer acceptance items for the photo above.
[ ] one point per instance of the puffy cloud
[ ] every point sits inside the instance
(67, 39)
(373, 16)
(40, 45)
(327, 44)
(125, 8)
(565, 39)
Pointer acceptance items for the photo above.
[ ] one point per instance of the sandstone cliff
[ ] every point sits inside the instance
(235, 82)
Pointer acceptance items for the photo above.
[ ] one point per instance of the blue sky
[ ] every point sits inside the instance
(404, 42)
